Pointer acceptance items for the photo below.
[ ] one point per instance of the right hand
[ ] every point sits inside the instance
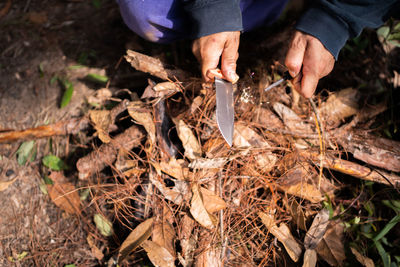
(210, 48)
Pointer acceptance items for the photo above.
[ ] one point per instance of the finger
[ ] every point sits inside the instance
(308, 85)
(210, 59)
(295, 54)
(229, 57)
(211, 74)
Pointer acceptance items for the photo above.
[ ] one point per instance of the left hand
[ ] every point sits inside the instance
(308, 55)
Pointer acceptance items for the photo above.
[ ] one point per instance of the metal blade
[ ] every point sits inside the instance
(225, 110)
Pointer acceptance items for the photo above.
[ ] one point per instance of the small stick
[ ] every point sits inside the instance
(221, 218)
(321, 137)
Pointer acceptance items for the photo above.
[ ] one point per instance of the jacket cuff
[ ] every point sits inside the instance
(331, 31)
(214, 16)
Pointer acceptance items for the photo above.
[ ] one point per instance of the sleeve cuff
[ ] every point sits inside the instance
(331, 31)
(215, 16)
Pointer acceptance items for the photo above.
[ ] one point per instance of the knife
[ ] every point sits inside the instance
(286, 76)
(225, 110)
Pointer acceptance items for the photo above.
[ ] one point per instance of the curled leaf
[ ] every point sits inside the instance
(198, 210)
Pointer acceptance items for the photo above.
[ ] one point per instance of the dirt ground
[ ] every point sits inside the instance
(41, 40)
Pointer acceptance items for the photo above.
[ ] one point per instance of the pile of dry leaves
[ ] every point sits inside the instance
(166, 185)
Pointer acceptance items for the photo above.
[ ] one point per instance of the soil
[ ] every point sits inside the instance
(41, 40)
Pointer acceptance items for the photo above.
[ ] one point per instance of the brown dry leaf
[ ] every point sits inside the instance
(365, 261)
(283, 234)
(65, 196)
(216, 147)
(37, 17)
(297, 213)
(202, 163)
(141, 233)
(244, 136)
(142, 116)
(197, 101)
(164, 235)
(177, 194)
(5, 185)
(198, 210)
(317, 230)
(189, 141)
(166, 86)
(212, 202)
(339, 106)
(291, 119)
(331, 247)
(158, 255)
(310, 258)
(173, 168)
(209, 258)
(160, 90)
(188, 241)
(96, 252)
(302, 181)
(102, 121)
(100, 96)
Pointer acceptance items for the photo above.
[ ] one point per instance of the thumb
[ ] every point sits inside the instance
(295, 54)
(229, 57)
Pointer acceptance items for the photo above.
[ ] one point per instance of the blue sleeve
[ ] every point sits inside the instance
(212, 16)
(333, 22)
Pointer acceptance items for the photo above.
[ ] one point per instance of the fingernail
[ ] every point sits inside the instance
(292, 73)
(233, 77)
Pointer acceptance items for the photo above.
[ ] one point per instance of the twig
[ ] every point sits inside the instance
(321, 137)
(221, 218)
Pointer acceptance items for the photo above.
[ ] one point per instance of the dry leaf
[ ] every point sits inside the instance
(297, 213)
(197, 101)
(199, 212)
(135, 238)
(173, 168)
(302, 181)
(339, 106)
(100, 97)
(365, 261)
(64, 194)
(202, 163)
(282, 233)
(102, 121)
(331, 247)
(166, 86)
(160, 90)
(164, 235)
(142, 116)
(291, 119)
(158, 255)
(317, 230)
(189, 140)
(5, 185)
(37, 17)
(96, 252)
(177, 194)
(209, 258)
(310, 258)
(188, 241)
(212, 203)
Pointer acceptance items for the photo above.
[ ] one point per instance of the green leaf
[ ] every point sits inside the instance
(97, 78)
(387, 228)
(104, 225)
(69, 90)
(26, 150)
(383, 31)
(54, 163)
(41, 70)
(393, 204)
(53, 79)
(70, 265)
(385, 257)
(75, 67)
(22, 255)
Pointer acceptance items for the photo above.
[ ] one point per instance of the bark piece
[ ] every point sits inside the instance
(154, 66)
(105, 155)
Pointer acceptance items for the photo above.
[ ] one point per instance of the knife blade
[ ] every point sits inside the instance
(225, 110)
(286, 76)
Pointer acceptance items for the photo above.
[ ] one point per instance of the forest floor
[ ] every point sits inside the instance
(56, 214)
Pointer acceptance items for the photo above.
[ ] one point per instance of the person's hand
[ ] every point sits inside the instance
(210, 48)
(308, 56)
